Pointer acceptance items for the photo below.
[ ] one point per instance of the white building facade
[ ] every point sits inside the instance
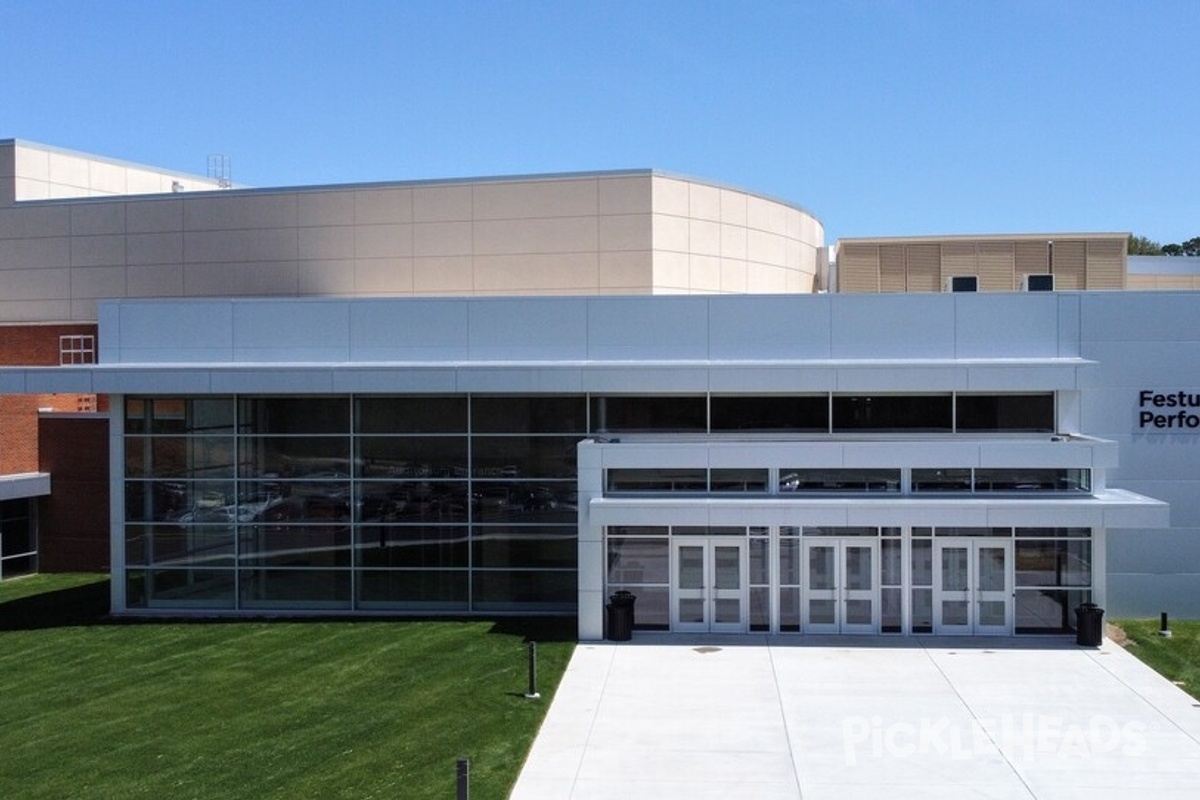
(907, 464)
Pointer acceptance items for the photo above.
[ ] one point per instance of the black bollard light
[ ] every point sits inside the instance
(1164, 629)
(464, 779)
(532, 694)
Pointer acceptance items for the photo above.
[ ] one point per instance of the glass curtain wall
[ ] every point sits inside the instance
(456, 503)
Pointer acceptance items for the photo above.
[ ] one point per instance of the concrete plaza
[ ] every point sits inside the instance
(874, 717)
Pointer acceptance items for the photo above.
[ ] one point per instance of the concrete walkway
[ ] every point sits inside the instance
(817, 717)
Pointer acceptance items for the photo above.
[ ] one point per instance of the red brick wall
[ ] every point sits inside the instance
(34, 346)
(73, 520)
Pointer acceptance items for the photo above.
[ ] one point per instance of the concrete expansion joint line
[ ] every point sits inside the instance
(1168, 719)
(787, 733)
(978, 722)
(612, 656)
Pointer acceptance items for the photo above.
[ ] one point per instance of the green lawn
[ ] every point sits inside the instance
(94, 709)
(1178, 658)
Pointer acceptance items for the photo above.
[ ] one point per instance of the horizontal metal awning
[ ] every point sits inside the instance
(1112, 508)
(25, 484)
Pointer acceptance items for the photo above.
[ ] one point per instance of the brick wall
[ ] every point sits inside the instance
(73, 520)
(34, 346)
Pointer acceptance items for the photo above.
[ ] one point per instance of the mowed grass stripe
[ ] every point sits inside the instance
(269, 709)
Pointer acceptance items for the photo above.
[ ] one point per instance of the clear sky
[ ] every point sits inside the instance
(881, 117)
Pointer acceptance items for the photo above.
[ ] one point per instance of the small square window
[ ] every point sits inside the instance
(77, 349)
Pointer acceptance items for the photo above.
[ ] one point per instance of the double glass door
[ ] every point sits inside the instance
(710, 588)
(841, 590)
(973, 587)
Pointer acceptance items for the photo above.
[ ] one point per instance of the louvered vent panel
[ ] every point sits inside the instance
(1032, 257)
(958, 258)
(997, 267)
(891, 268)
(1106, 264)
(924, 267)
(858, 268)
(1070, 264)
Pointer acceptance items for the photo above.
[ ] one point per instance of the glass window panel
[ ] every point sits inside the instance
(992, 569)
(690, 567)
(821, 567)
(1002, 533)
(858, 612)
(504, 590)
(1032, 480)
(760, 567)
(294, 545)
(892, 413)
(637, 560)
(991, 612)
(760, 608)
(890, 563)
(822, 612)
(648, 413)
(889, 609)
(806, 413)
(404, 457)
(179, 588)
(922, 562)
(524, 456)
(639, 530)
(297, 457)
(657, 480)
(839, 480)
(1045, 562)
(178, 415)
(738, 480)
(404, 589)
(1006, 412)
(294, 588)
(411, 414)
(1048, 610)
(727, 567)
(1055, 533)
(860, 571)
(789, 609)
(922, 611)
(652, 607)
(841, 530)
(727, 610)
(525, 501)
(179, 457)
(413, 546)
(295, 415)
(954, 569)
(16, 537)
(179, 545)
(182, 501)
(516, 547)
(540, 414)
(691, 610)
(16, 566)
(953, 479)
(789, 562)
(954, 612)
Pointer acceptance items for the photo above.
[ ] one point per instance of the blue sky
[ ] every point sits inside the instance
(881, 117)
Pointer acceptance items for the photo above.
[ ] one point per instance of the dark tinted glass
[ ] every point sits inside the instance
(892, 413)
(1009, 412)
(528, 414)
(631, 413)
(412, 414)
(809, 413)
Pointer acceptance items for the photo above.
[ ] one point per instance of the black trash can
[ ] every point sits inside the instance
(620, 616)
(1089, 625)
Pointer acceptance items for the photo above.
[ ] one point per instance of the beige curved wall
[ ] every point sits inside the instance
(584, 234)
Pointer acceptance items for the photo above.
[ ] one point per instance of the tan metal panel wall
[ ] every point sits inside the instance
(1106, 264)
(958, 258)
(1070, 264)
(997, 267)
(924, 268)
(1032, 257)
(892, 277)
(858, 268)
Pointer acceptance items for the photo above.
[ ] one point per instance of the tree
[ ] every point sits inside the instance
(1142, 246)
